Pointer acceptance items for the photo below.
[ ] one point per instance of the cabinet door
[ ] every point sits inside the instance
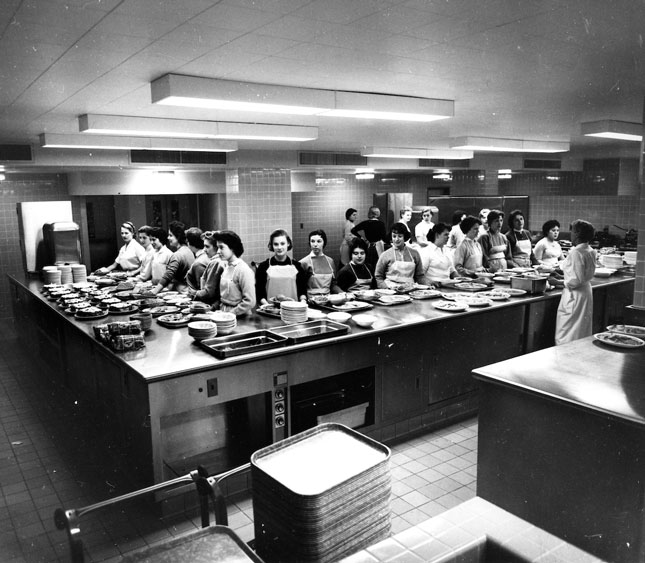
(402, 385)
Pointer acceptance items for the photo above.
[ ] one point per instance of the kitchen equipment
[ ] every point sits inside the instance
(62, 243)
(310, 330)
(532, 285)
(238, 344)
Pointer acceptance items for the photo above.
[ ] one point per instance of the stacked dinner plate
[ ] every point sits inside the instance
(52, 275)
(320, 495)
(65, 273)
(79, 273)
(293, 312)
(226, 322)
(200, 330)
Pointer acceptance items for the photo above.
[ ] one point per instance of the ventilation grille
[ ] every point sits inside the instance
(176, 157)
(331, 159)
(542, 164)
(19, 153)
(443, 163)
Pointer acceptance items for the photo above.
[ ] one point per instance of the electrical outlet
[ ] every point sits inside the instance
(211, 387)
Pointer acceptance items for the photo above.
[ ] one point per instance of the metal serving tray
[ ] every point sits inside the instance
(310, 330)
(238, 344)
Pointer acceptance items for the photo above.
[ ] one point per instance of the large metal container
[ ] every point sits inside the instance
(532, 284)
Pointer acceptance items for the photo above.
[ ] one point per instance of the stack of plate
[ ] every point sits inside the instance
(293, 312)
(320, 495)
(611, 260)
(226, 322)
(200, 330)
(52, 275)
(65, 273)
(79, 273)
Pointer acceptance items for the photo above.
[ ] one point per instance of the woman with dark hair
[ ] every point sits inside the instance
(195, 243)
(236, 279)
(280, 276)
(357, 275)
(399, 264)
(547, 251)
(208, 291)
(350, 218)
(131, 254)
(180, 261)
(468, 256)
(496, 250)
(374, 233)
(321, 270)
(456, 234)
(436, 260)
(520, 239)
(162, 254)
(575, 313)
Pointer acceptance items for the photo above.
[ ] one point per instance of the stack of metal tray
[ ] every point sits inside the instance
(320, 495)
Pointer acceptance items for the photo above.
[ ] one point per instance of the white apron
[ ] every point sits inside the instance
(319, 283)
(400, 271)
(523, 259)
(497, 258)
(281, 280)
(360, 284)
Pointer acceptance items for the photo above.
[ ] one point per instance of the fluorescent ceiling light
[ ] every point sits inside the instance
(213, 93)
(108, 142)
(185, 128)
(508, 145)
(611, 129)
(364, 176)
(400, 152)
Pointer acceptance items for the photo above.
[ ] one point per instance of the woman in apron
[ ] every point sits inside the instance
(547, 250)
(208, 291)
(280, 277)
(320, 268)
(520, 239)
(436, 259)
(350, 218)
(496, 249)
(399, 264)
(357, 275)
(575, 313)
(468, 258)
(130, 255)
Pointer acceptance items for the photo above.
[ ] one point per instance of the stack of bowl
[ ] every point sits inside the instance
(226, 322)
(65, 273)
(293, 312)
(52, 274)
(79, 273)
(200, 330)
(199, 307)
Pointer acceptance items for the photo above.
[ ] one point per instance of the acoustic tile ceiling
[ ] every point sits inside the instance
(517, 69)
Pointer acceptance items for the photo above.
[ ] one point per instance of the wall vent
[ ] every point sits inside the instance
(176, 157)
(444, 163)
(309, 158)
(542, 164)
(16, 153)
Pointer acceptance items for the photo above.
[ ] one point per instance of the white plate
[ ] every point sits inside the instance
(619, 340)
(315, 314)
(424, 294)
(515, 292)
(475, 301)
(470, 286)
(339, 316)
(502, 279)
(452, 306)
(630, 330)
(393, 299)
(495, 295)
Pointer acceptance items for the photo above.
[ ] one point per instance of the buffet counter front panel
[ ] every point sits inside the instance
(176, 406)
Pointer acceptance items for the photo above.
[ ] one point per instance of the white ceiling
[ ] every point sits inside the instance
(524, 69)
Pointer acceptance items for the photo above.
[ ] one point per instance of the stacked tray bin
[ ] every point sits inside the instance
(320, 495)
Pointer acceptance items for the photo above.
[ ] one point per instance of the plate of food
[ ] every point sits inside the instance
(404, 287)
(90, 313)
(277, 299)
(502, 279)
(631, 330)
(474, 301)
(122, 308)
(351, 306)
(162, 310)
(452, 306)
(513, 292)
(269, 310)
(174, 320)
(495, 295)
(393, 299)
(385, 292)
(470, 286)
(424, 294)
(366, 294)
(619, 340)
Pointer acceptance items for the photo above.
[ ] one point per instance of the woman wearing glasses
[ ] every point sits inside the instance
(357, 275)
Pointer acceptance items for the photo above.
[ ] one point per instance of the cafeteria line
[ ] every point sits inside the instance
(183, 372)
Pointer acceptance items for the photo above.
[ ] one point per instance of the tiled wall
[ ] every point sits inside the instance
(639, 291)
(16, 189)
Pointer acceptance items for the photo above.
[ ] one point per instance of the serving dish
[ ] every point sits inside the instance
(470, 286)
(310, 330)
(123, 310)
(339, 316)
(604, 272)
(364, 320)
(100, 315)
(424, 294)
(631, 330)
(503, 279)
(269, 310)
(531, 284)
(315, 314)
(162, 310)
(619, 340)
(513, 292)
(350, 306)
(389, 300)
(495, 295)
(452, 306)
(174, 320)
(473, 301)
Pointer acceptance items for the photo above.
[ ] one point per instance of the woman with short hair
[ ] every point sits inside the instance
(321, 270)
(468, 258)
(348, 237)
(496, 249)
(520, 239)
(399, 264)
(437, 263)
(131, 254)
(357, 275)
(547, 250)
(423, 227)
(180, 261)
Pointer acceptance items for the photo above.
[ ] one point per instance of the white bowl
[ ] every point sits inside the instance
(339, 316)
(364, 320)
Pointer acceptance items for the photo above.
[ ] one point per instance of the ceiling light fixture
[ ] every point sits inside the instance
(364, 176)
(108, 142)
(185, 128)
(214, 93)
(401, 152)
(508, 145)
(610, 129)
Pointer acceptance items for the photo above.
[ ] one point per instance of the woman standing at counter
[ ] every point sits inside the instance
(130, 255)
(423, 227)
(547, 250)
(350, 218)
(399, 264)
(372, 231)
(496, 249)
(357, 275)
(180, 261)
(208, 291)
(320, 269)
(456, 234)
(280, 276)
(575, 312)
(436, 260)
(468, 256)
(520, 239)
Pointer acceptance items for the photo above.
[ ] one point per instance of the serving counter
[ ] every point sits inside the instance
(176, 406)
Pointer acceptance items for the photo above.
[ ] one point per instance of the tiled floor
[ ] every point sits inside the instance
(53, 453)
